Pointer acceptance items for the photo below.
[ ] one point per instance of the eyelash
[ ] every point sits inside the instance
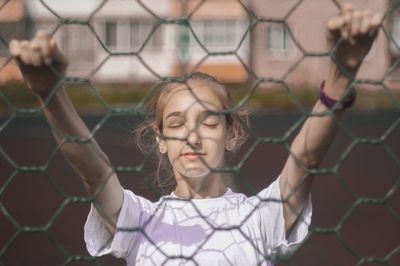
(175, 126)
(205, 124)
(211, 125)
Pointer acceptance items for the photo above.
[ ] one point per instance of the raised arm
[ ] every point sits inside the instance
(37, 59)
(354, 32)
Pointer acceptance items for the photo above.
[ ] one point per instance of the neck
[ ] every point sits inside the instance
(210, 186)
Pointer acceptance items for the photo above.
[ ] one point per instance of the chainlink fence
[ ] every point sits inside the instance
(194, 36)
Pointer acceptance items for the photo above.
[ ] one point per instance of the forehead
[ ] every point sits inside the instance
(197, 98)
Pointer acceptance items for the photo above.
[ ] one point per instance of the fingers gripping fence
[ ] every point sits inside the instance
(188, 35)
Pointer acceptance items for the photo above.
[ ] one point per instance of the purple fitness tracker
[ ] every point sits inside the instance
(344, 103)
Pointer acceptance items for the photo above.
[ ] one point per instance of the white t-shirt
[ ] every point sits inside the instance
(229, 230)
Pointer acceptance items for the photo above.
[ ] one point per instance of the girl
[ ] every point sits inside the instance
(194, 125)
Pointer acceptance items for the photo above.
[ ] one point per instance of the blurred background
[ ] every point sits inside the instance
(271, 54)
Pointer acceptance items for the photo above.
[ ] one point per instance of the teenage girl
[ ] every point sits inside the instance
(202, 221)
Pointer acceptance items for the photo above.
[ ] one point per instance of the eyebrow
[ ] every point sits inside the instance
(173, 114)
(205, 112)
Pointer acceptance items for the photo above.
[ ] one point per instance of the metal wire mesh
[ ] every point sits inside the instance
(187, 36)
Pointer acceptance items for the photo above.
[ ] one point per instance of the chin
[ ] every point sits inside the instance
(196, 172)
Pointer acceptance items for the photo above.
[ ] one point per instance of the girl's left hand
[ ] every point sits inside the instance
(352, 34)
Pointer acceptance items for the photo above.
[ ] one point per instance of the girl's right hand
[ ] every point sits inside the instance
(37, 60)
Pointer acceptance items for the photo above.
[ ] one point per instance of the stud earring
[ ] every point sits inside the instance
(229, 146)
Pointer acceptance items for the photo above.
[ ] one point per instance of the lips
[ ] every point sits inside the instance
(193, 155)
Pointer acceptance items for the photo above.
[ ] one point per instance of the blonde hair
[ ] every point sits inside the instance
(144, 135)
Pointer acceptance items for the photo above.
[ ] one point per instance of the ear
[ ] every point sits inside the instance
(158, 139)
(230, 141)
(161, 144)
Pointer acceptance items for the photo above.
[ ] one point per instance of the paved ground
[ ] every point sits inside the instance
(367, 171)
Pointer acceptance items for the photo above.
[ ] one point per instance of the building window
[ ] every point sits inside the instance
(77, 41)
(140, 31)
(277, 39)
(217, 35)
(136, 34)
(111, 33)
(130, 35)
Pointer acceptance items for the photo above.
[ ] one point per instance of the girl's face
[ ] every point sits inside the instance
(195, 140)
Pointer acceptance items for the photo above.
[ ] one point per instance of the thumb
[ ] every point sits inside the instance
(335, 27)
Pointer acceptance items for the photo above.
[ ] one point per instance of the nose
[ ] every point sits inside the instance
(194, 138)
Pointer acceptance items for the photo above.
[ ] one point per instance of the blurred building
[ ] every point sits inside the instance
(394, 44)
(128, 41)
(12, 25)
(109, 42)
(291, 35)
(218, 41)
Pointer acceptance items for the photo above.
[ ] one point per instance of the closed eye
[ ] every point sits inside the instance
(211, 124)
(175, 125)
(211, 121)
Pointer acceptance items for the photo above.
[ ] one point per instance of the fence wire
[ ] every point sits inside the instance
(186, 35)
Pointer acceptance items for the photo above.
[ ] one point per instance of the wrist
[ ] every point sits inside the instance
(336, 82)
(341, 103)
(54, 97)
(348, 69)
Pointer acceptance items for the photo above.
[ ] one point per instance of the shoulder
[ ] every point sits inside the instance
(270, 193)
(132, 200)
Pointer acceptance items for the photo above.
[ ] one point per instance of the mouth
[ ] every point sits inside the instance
(193, 155)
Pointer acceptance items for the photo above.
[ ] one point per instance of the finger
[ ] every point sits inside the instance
(334, 24)
(376, 22)
(42, 33)
(25, 53)
(366, 21)
(15, 51)
(15, 48)
(347, 16)
(346, 8)
(356, 21)
(44, 42)
(35, 55)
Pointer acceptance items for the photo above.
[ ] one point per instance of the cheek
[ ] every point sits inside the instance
(174, 149)
(214, 139)
(176, 133)
(216, 134)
